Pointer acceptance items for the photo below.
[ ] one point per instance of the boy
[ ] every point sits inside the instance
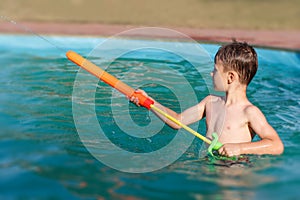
(233, 116)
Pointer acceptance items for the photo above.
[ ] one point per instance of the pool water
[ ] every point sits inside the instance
(43, 157)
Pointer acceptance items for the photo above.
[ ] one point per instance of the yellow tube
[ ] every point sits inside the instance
(198, 135)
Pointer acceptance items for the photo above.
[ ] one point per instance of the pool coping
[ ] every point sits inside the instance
(281, 39)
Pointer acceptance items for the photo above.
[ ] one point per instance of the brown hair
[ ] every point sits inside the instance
(239, 57)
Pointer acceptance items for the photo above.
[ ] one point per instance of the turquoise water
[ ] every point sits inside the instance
(43, 157)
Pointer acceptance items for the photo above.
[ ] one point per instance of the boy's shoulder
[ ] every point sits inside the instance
(214, 98)
(247, 107)
(211, 100)
(252, 110)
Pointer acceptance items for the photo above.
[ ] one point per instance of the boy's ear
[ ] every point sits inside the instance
(231, 76)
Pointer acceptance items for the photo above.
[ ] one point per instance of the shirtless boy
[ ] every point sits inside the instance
(233, 117)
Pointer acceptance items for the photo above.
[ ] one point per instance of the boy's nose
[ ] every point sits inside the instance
(211, 74)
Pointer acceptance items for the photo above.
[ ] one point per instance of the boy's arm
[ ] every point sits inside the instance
(270, 142)
(189, 116)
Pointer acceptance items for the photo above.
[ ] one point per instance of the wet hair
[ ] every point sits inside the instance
(239, 57)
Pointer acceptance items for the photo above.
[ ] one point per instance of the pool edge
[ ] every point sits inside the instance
(274, 39)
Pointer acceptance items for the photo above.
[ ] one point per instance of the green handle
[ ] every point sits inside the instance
(214, 145)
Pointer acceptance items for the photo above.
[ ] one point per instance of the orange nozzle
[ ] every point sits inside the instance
(108, 78)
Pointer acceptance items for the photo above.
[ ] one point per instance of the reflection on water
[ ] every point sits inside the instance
(42, 155)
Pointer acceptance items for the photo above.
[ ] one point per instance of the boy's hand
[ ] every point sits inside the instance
(135, 100)
(230, 150)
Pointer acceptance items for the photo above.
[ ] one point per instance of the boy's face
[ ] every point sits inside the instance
(219, 77)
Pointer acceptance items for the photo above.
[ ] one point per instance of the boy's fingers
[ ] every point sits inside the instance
(222, 151)
(134, 100)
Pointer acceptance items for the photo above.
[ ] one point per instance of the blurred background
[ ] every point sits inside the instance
(219, 14)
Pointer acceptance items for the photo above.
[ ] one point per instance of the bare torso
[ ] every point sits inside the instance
(228, 121)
